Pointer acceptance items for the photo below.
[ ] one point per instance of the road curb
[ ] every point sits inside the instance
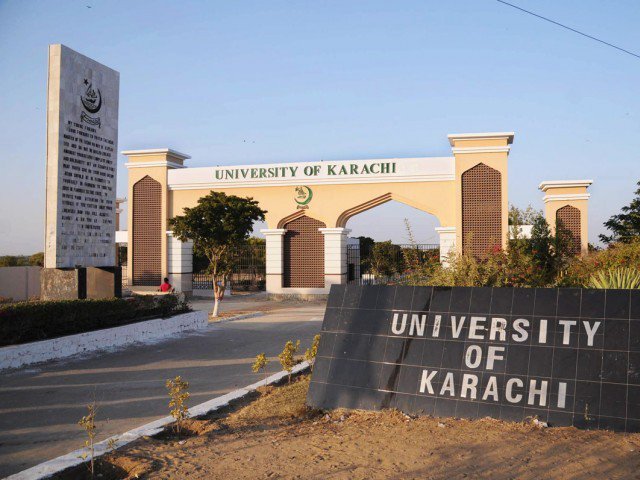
(60, 348)
(57, 465)
(237, 317)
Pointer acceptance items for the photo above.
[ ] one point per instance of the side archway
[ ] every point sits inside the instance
(481, 210)
(303, 253)
(147, 232)
(568, 218)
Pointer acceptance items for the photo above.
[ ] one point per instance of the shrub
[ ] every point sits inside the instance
(619, 255)
(385, 259)
(31, 321)
(533, 262)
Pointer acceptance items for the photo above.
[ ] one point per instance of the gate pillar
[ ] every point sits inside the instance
(335, 255)
(567, 201)
(274, 258)
(180, 264)
(447, 243)
(482, 206)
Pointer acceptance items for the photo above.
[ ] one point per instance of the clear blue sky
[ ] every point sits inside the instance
(335, 80)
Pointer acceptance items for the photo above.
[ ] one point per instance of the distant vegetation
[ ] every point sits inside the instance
(35, 260)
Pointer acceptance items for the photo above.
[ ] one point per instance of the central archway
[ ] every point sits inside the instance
(387, 238)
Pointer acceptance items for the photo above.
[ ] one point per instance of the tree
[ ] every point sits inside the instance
(366, 244)
(218, 226)
(518, 216)
(626, 225)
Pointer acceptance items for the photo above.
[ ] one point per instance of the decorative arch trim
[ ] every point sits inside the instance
(289, 218)
(351, 212)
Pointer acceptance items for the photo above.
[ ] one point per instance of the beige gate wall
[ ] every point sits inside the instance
(330, 202)
(333, 203)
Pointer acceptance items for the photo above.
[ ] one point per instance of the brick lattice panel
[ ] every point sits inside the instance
(304, 253)
(147, 232)
(481, 210)
(568, 218)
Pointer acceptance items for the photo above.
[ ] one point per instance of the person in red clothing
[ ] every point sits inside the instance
(166, 286)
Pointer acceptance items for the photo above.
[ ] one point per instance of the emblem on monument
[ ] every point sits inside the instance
(92, 102)
(303, 196)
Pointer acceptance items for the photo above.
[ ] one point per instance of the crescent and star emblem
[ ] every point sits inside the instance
(92, 99)
(303, 195)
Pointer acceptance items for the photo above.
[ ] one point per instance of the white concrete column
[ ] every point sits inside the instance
(447, 243)
(180, 263)
(335, 255)
(274, 262)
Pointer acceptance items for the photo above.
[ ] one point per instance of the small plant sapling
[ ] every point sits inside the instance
(310, 354)
(261, 364)
(88, 422)
(112, 443)
(287, 357)
(179, 393)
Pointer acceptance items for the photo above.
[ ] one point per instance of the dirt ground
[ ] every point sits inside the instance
(275, 436)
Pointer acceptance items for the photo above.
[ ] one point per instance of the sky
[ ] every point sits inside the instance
(235, 83)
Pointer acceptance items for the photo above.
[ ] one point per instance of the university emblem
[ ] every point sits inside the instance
(92, 102)
(303, 196)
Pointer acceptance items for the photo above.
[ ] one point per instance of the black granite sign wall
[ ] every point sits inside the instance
(566, 356)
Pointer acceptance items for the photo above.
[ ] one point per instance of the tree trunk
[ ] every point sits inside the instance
(218, 295)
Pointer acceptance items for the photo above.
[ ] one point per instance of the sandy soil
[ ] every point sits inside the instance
(275, 436)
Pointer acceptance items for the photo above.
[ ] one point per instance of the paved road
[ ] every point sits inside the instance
(39, 407)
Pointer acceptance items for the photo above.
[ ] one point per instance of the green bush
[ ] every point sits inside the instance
(618, 255)
(31, 321)
(533, 262)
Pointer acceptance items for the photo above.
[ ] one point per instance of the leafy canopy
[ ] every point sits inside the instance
(626, 225)
(219, 222)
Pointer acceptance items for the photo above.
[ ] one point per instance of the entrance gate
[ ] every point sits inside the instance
(309, 205)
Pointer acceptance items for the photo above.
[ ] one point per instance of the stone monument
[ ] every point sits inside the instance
(82, 138)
